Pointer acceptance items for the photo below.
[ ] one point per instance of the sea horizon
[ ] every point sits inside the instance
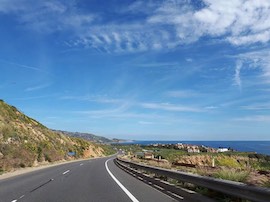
(258, 146)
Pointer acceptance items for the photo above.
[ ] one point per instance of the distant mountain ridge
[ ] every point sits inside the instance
(90, 137)
(25, 142)
(86, 136)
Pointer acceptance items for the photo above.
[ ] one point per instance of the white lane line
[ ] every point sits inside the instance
(66, 172)
(180, 197)
(21, 197)
(16, 199)
(81, 164)
(158, 187)
(119, 184)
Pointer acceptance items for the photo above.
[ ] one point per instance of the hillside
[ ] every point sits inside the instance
(25, 142)
(86, 136)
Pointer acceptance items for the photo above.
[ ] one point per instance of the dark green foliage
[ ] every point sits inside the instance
(22, 165)
(259, 156)
(39, 152)
(47, 158)
(1, 170)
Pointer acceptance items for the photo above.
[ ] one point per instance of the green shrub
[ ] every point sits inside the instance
(108, 149)
(227, 162)
(31, 147)
(40, 155)
(47, 158)
(233, 175)
(1, 170)
(6, 131)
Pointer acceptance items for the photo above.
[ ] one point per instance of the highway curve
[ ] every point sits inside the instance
(81, 181)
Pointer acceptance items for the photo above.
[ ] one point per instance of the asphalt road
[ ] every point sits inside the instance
(81, 181)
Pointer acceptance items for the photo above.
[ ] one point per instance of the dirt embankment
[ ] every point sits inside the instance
(93, 151)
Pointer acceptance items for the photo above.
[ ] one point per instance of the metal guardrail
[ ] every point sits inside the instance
(176, 192)
(237, 189)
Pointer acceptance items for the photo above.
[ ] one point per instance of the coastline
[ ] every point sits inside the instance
(261, 147)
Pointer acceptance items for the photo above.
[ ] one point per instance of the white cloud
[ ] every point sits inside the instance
(121, 38)
(22, 65)
(94, 98)
(162, 25)
(39, 87)
(170, 107)
(240, 22)
(171, 23)
(35, 97)
(47, 16)
(117, 113)
(254, 60)
(211, 107)
(182, 94)
(237, 78)
(257, 106)
(146, 123)
(254, 118)
(189, 59)
(262, 37)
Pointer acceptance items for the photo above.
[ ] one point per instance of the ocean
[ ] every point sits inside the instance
(261, 147)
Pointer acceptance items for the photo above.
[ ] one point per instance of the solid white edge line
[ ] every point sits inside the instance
(119, 184)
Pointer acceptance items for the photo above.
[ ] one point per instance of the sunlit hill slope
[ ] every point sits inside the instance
(25, 142)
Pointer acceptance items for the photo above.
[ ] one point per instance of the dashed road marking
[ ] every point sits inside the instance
(180, 197)
(66, 172)
(81, 164)
(158, 187)
(119, 184)
(21, 196)
(140, 178)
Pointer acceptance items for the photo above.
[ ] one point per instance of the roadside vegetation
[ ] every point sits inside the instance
(246, 167)
(249, 168)
(232, 174)
(24, 142)
(107, 149)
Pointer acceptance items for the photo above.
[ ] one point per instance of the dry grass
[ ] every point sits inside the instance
(232, 174)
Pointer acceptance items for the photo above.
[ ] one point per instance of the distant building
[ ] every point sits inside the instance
(144, 155)
(179, 146)
(193, 149)
(222, 149)
(211, 150)
(148, 155)
(139, 155)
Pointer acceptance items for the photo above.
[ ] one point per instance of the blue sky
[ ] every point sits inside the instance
(166, 70)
